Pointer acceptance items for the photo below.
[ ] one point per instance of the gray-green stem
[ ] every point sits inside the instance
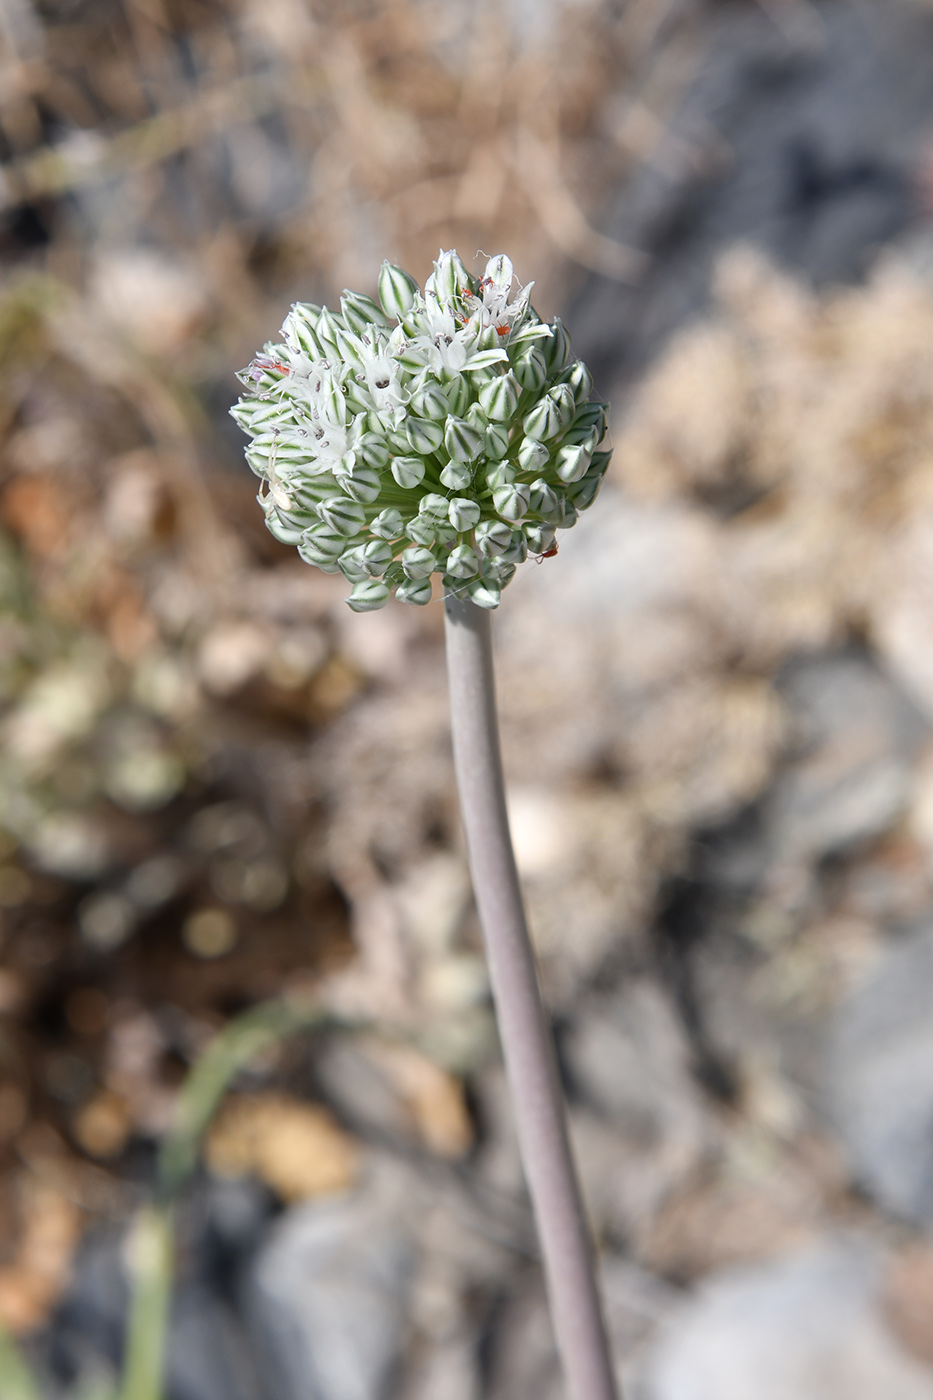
(527, 1047)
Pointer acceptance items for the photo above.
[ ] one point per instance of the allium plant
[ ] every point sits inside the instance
(448, 432)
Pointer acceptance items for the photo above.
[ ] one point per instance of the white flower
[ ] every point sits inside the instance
(497, 312)
(322, 421)
(446, 342)
(381, 375)
(381, 453)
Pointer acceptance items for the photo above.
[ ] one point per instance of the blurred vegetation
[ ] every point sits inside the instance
(173, 175)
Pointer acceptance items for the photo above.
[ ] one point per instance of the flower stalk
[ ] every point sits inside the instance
(448, 434)
(527, 1045)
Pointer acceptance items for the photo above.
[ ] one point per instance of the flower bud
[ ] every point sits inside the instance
(579, 380)
(497, 441)
(498, 572)
(360, 312)
(448, 278)
(539, 538)
(464, 441)
(424, 436)
(550, 414)
(492, 537)
(325, 539)
(566, 404)
(459, 395)
(530, 369)
(533, 456)
(250, 415)
(418, 562)
(349, 346)
(313, 553)
(499, 399)
(421, 530)
(414, 590)
(462, 562)
(342, 514)
(484, 594)
(285, 534)
(307, 493)
(433, 506)
(556, 348)
(543, 500)
(368, 594)
(373, 452)
(376, 556)
(517, 551)
(388, 524)
(351, 564)
(307, 311)
(457, 476)
(572, 463)
(463, 514)
(543, 421)
(408, 471)
(327, 330)
(430, 402)
(588, 421)
(501, 474)
(302, 324)
(362, 484)
(511, 501)
(584, 492)
(298, 520)
(397, 291)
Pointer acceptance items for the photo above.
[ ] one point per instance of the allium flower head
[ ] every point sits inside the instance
(442, 432)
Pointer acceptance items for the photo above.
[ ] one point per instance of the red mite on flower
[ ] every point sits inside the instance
(262, 364)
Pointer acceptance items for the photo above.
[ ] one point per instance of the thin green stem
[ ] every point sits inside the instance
(152, 1248)
(527, 1046)
(17, 1381)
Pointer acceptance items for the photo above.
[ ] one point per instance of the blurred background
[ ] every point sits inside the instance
(218, 786)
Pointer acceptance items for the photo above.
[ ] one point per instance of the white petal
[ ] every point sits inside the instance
(499, 272)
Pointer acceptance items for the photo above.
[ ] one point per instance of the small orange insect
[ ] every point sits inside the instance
(262, 363)
(548, 554)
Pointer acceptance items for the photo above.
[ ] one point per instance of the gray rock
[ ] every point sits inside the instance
(327, 1301)
(879, 1080)
(797, 137)
(207, 1358)
(627, 1057)
(353, 1082)
(804, 1328)
(858, 736)
(642, 1125)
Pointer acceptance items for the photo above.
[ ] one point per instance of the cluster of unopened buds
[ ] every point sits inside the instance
(445, 432)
